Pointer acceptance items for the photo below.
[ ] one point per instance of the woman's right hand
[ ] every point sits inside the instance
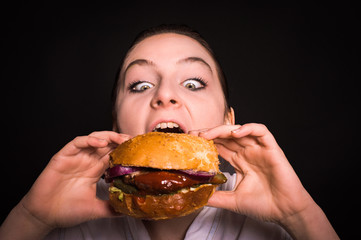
(65, 192)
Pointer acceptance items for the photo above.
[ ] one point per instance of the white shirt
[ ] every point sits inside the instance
(211, 223)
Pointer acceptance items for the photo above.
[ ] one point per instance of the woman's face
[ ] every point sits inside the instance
(169, 80)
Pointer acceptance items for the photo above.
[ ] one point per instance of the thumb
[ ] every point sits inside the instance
(223, 199)
(102, 209)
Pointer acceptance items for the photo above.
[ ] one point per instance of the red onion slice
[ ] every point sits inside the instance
(119, 170)
(200, 175)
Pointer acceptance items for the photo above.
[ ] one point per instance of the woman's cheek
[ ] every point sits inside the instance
(208, 114)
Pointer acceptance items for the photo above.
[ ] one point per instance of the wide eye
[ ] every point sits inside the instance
(194, 84)
(140, 86)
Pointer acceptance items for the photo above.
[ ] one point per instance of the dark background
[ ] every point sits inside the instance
(293, 69)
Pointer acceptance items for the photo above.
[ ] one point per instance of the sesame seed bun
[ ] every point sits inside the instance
(167, 151)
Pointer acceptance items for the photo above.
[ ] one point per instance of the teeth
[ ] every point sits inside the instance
(164, 125)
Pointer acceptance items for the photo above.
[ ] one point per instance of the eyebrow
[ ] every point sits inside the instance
(195, 59)
(140, 62)
(145, 62)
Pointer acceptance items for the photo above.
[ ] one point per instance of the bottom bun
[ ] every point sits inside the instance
(165, 206)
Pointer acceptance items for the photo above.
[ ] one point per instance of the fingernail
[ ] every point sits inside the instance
(236, 130)
(203, 130)
(125, 137)
(197, 132)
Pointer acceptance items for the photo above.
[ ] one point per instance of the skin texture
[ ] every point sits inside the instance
(168, 99)
(164, 67)
(64, 193)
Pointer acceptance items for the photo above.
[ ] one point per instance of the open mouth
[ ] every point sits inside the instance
(168, 127)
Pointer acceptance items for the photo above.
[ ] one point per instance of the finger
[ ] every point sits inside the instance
(95, 140)
(89, 141)
(259, 131)
(223, 199)
(235, 159)
(234, 144)
(102, 209)
(197, 132)
(81, 142)
(254, 129)
(111, 137)
(223, 131)
(225, 152)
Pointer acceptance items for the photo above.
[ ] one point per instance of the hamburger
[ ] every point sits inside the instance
(163, 175)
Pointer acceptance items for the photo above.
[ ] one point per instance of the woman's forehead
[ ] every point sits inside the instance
(166, 48)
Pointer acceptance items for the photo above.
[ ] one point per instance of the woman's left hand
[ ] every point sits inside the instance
(267, 187)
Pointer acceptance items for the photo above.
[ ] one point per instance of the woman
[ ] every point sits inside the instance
(170, 75)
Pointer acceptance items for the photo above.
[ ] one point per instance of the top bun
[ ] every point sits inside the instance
(167, 151)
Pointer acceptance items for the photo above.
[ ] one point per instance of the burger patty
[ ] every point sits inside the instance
(161, 182)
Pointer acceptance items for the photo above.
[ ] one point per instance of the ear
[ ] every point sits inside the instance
(229, 118)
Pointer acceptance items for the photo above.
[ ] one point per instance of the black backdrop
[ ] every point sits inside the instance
(289, 68)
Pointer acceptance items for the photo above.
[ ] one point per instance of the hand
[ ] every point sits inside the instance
(267, 187)
(65, 192)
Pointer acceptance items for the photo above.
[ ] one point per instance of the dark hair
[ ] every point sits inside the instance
(178, 29)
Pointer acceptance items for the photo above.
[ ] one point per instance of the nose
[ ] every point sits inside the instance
(165, 97)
